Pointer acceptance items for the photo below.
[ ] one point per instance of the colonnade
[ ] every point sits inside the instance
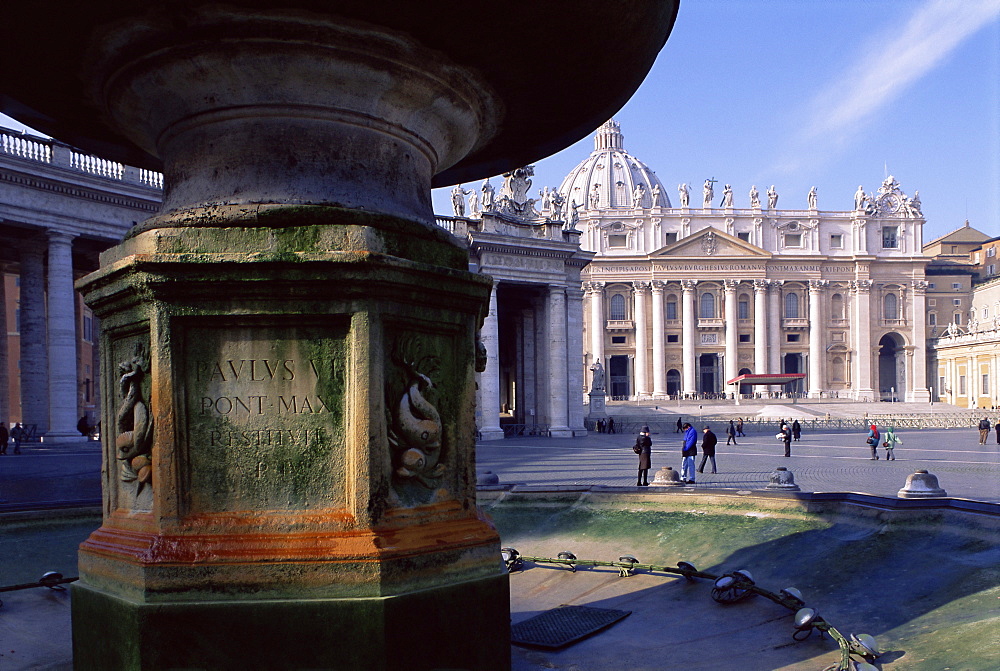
(48, 337)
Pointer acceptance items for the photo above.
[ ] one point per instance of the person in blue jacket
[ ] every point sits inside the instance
(688, 453)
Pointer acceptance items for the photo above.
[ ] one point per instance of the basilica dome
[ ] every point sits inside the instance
(611, 178)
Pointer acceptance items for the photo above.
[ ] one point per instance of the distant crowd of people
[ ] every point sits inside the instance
(16, 433)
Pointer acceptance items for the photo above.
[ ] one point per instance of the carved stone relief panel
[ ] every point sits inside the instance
(132, 431)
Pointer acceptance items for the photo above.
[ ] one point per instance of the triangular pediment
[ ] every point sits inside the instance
(711, 242)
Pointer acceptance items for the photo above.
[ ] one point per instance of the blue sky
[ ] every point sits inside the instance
(798, 93)
(830, 93)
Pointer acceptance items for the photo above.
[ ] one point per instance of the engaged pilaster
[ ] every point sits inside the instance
(816, 349)
(861, 294)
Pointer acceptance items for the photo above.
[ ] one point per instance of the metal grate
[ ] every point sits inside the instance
(561, 626)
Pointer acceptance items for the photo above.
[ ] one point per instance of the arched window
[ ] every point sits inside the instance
(836, 306)
(707, 309)
(618, 307)
(891, 305)
(791, 305)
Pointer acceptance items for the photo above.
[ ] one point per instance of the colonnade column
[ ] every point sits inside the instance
(34, 353)
(863, 340)
(61, 339)
(5, 401)
(574, 361)
(760, 326)
(558, 415)
(659, 370)
(639, 314)
(731, 368)
(489, 379)
(597, 326)
(529, 409)
(816, 350)
(689, 365)
(920, 391)
(774, 327)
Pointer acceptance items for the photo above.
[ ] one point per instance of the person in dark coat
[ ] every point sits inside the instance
(610, 425)
(796, 430)
(680, 426)
(644, 446)
(739, 428)
(730, 435)
(786, 437)
(4, 435)
(998, 432)
(708, 443)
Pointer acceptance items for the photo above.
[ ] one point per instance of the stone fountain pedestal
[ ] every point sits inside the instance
(289, 346)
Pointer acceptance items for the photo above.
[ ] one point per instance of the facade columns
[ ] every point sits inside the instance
(34, 352)
(529, 406)
(689, 364)
(774, 327)
(817, 354)
(641, 347)
(558, 415)
(62, 370)
(760, 326)
(6, 403)
(731, 368)
(597, 325)
(863, 340)
(489, 379)
(575, 379)
(920, 392)
(659, 370)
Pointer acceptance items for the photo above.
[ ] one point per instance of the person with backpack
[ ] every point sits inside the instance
(890, 443)
(873, 438)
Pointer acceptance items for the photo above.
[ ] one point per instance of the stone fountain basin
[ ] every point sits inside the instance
(923, 579)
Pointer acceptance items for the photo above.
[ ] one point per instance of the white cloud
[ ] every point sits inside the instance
(889, 64)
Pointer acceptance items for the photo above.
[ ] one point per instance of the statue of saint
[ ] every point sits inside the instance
(727, 196)
(574, 215)
(772, 198)
(637, 194)
(458, 200)
(812, 198)
(597, 383)
(655, 195)
(595, 197)
(859, 199)
(557, 204)
(473, 202)
(685, 195)
(546, 198)
(915, 205)
(754, 197)
(708, 192)
(488, 195)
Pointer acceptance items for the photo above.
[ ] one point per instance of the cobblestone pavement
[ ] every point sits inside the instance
(820, 462)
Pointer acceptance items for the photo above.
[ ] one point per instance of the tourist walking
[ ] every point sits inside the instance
(611, 424)
(786, 437)
(4, 435)
(984, 430)
(689, 451)
(796, 430)
(873, 438)
(889, 443)
(730, 433)
(708, 443)
(17, 435)
(680, 427)
(739, 428)
(644, 448)
(997, 427)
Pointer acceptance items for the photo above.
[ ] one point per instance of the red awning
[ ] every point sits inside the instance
(777, 378)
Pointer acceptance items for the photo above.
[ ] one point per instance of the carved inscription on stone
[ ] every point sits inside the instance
(264, 417)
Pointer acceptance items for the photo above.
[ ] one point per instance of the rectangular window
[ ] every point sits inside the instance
(793, 239)
(744, 308)
(669, 238)
(986, 384)
(617, 340)
(88, 328)
(961, 385)
(991, 252)
(837, 241)
(930, 285)
(671, 309)
(956, 301)
(956, 285)
(673, 337)
(991, 269)
(744, 236)
(932, 319)
(931, 302)
(889, 234)
(941, 384)
(744, 337)
(958, 319)
(617, 241)
(792, 337)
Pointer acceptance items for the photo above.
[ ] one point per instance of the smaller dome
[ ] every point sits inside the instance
(611, 178)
